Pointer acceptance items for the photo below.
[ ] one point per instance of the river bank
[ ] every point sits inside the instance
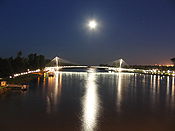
(24, 79)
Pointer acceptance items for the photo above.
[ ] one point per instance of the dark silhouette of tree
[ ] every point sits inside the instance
(173, 60)
(10, 66)
(19, 54)
(36, 61)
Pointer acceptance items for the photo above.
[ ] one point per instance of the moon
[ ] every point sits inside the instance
(92, 24)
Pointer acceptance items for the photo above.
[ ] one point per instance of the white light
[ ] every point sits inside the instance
(92, 24)
(90, 104)
(119, 92)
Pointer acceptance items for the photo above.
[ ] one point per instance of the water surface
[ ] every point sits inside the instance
(92, 101)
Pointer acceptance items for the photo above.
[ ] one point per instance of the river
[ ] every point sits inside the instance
(81, 101)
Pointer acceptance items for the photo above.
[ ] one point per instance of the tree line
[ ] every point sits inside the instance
(10, 66)
(173, 60)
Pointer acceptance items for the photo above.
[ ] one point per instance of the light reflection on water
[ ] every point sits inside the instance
(130, 87)
(172, 91)
(82, 100)
(168, 85)
(54, 92)
(90, 104)
(119, 93)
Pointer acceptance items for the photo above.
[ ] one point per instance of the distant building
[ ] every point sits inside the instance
(173, 60)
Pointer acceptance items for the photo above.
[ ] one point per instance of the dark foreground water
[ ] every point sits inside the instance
(92, 101)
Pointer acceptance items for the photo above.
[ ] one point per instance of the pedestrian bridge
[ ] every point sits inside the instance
(58, 64)
(53, 69)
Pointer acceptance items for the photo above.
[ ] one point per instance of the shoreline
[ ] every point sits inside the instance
(24, 79)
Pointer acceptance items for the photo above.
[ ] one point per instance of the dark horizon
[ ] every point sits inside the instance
(140, 32)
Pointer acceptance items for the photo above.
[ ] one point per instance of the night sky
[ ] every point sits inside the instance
(139, 31)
